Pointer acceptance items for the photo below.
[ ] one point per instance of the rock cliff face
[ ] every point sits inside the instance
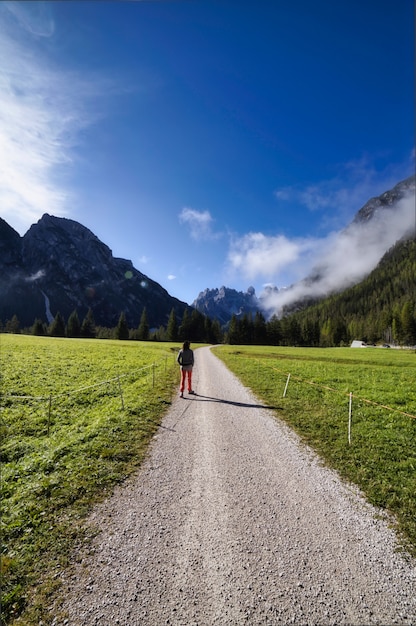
(223, 303)
(59, 265)
(385, 201)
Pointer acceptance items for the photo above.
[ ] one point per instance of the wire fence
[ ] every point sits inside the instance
(349, 394)
(352, 396)
(51, 399)
(151, 370)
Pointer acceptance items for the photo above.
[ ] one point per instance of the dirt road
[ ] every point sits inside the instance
(232, 521)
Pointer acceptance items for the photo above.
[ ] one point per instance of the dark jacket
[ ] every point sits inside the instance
(185, 357)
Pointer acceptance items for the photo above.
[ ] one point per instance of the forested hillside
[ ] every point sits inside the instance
(380, 309)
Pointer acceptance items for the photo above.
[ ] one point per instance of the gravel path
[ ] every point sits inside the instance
(232, 521)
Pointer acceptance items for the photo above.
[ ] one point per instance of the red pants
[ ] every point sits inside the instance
(184, 373)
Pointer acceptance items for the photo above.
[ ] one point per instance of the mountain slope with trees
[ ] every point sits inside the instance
(380, 309)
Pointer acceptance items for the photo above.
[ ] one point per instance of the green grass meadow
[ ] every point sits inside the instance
(76, 417)
(380, 454)
(66, 441)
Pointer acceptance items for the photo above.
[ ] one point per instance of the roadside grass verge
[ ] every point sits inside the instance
(65, 443)
(381, 459)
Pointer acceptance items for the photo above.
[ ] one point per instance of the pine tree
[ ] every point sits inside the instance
(88, 325)
(160, 334)
(184, 330)
(397, 331)
(245, 330)
(122, 329)
(57, 327)
(38, 327)
(274, 331)
(217, 334)
(339, 332)
(13, 325)
(259, 331)
(295, 332)
(196, 331)
(408, 324)
(143, 330)
(73, 328)
(172, 328)
(234, 331)
(310, 333)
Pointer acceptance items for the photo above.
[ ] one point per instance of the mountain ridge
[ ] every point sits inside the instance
(223, 303)
(59, 265)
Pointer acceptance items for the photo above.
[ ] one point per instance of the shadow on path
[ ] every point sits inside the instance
(198, 397)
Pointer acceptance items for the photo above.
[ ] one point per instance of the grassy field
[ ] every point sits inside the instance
(381, 455)
(76, 417)
(66, 440)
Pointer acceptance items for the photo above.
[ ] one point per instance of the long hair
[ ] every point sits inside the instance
(186, 345)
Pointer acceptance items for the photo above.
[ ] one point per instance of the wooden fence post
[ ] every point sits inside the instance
(349, 419)
(121, 392)
(49, 412)
(287, 382)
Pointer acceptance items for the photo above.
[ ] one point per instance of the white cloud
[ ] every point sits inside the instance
(199, 222)
(42, 110)
(171, 277)
(353, 252)
(255, 255)
(338, 260)
(30, 135)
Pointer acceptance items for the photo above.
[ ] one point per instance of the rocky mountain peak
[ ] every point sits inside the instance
(63, 263)
(223, 302)
(386, 200)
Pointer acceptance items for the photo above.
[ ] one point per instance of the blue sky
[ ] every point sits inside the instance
(211, 142)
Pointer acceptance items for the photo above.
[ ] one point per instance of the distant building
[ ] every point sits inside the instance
(358, 344)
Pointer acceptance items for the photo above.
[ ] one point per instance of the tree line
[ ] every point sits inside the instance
(312, 327)
(193, 326)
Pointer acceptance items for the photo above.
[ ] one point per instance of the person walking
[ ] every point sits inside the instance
(186, 361)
